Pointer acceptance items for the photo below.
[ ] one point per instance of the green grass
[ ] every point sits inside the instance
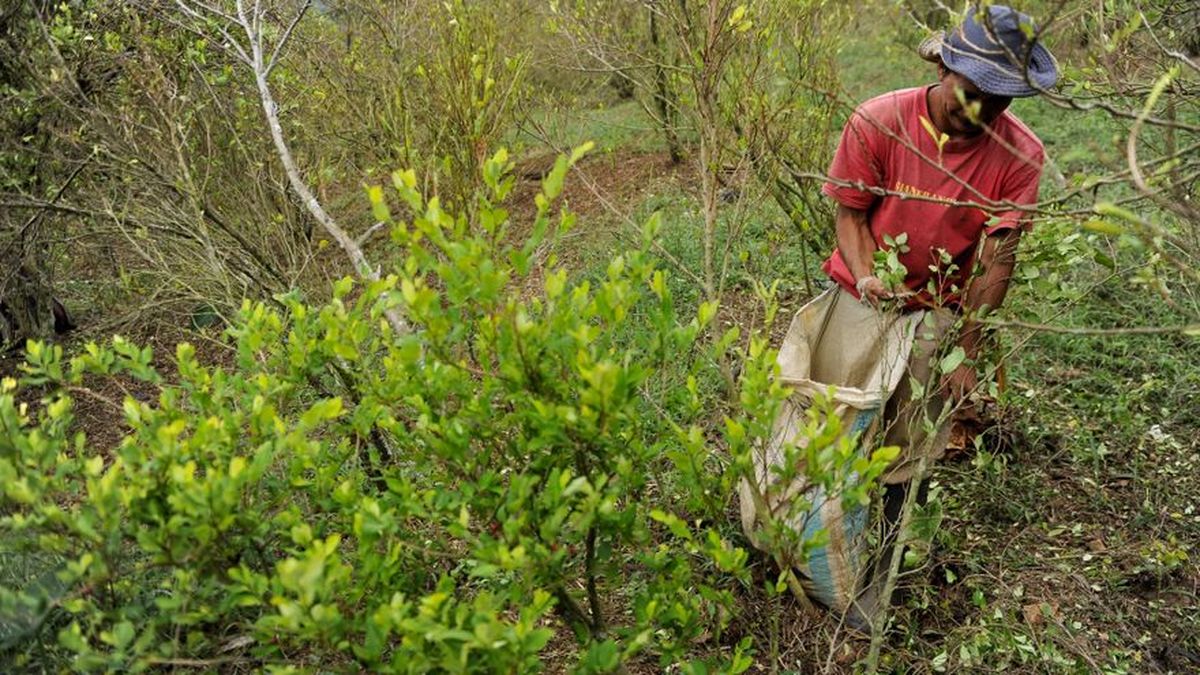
(610, 125)
(26, 631)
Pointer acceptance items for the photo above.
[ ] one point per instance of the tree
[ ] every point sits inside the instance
(32, 178)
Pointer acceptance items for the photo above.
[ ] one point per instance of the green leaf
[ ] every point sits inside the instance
(552, 185)
(236, 466)
(651, 228)
(736, 16)
(1104, 227)
(1113, 211)
(952, 360)
(321, 411)
(579, 152)
(94, 465)
(72, 638)
(379, 207)
(121, 635)
(674, 523)
(602, 657)
(555, 283)
(342, 287)
(886, 455)
(537, 639)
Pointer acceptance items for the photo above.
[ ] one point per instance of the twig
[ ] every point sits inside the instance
(1187, 329)
(362, 238)
(287, 33)
(198, 663)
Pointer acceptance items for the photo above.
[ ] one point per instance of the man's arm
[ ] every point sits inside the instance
(984, 294)
(857, 247)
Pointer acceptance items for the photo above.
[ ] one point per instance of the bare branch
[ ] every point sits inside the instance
(271, 111)
(229, 40)
(1188, 329)
(287, 33)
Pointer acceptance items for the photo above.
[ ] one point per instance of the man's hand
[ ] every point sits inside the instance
(872, 290)
(960, 383)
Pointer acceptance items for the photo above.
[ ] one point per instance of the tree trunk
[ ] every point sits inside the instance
(27, 311)
(27, 307)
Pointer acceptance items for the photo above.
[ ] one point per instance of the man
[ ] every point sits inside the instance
(927, 173)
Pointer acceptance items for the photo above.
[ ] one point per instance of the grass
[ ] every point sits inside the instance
(610, 125)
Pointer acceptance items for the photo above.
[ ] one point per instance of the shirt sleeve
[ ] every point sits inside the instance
(1021, 188)
(858, 160)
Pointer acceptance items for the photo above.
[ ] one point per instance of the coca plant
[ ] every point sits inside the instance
(536, 453)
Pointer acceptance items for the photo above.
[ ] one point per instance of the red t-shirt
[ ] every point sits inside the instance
(886, 145)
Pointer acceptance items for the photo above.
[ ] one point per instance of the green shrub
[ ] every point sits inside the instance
(346, 497)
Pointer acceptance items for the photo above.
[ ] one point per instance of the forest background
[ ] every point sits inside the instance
(421, 335)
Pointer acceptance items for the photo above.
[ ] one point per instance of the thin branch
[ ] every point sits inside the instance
(362, 239)
(229, 41)
(287, 33)
(1175, 54)
(27, 203)
(1187, 329)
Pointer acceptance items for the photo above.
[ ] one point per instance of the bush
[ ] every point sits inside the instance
(402, 502)
(346, 496)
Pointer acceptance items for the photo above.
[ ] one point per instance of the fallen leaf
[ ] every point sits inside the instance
(969, 422)
(1036, 612)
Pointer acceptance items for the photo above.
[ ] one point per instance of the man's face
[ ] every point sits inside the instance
(966, 108)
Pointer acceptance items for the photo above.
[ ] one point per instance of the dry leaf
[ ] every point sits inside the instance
(1036, 612)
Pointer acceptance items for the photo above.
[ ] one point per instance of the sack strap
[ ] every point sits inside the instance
(837, 294)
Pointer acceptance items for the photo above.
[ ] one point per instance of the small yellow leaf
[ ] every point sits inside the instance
(406, 178)
(738, 14)
(1103, 227)
(938, 137)
(94, 465)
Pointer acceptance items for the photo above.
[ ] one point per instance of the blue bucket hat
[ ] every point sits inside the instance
(994, 48)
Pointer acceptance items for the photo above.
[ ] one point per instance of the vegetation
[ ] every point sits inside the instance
(437, 337)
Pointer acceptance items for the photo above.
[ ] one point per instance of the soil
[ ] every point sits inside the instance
(600, 183)
(97, 403)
